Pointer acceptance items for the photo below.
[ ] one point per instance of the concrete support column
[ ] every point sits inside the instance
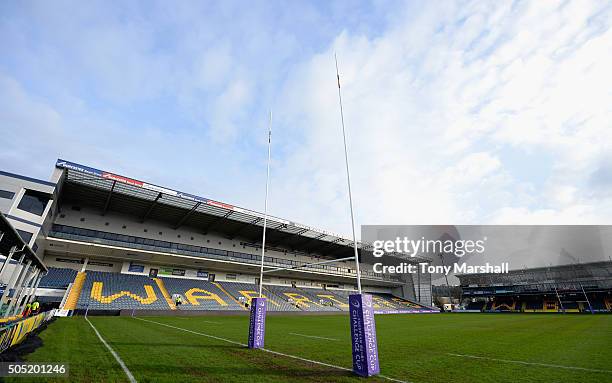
(18, 287)
(7, 261)
(12, 279)
(17, 298)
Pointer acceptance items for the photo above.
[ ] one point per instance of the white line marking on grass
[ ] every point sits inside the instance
(311, 336)
(532, 363)
(199, 320)
(266, 350)
(117, 358)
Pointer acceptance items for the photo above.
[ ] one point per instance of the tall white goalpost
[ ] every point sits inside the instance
(265, 220)
(363, 329)
(348, 180)
(257, 322)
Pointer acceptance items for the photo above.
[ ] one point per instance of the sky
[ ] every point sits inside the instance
(489, 112)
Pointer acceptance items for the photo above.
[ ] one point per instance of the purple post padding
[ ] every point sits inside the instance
(257, 324)
(363, 335)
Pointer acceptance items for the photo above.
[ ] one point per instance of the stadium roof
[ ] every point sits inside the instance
(110, 191)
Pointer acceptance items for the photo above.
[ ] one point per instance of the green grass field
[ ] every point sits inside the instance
(414, 348)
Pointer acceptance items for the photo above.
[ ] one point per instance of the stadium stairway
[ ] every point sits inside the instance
(229, 295)
(75, 291)
(167, 297)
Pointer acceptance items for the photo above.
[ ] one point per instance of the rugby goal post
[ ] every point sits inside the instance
(364, 345)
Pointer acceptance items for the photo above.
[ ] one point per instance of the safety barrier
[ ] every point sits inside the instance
(16, 332)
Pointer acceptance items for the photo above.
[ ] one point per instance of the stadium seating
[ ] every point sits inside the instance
(114, 291)
(503, 304)
(402, 304)
(596, 304)
(57, 278)
(328, 297)
(246, 291)
(533, 305)
(302, 299)
(478, 305)
(201, 295)
(385, 302)
(551, 305)
(569, 304)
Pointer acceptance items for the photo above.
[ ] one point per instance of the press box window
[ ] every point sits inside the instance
(33, 202)
(6, 194)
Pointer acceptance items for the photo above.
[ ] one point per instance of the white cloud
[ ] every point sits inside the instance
(432, 103)
(435, 95)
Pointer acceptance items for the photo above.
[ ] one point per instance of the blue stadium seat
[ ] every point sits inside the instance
(114, 291)
(250, 290)
(57, 278)
(200, 295)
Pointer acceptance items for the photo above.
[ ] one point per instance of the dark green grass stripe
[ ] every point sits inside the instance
(267, 350)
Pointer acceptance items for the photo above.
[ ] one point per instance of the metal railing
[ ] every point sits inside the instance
(112, 239)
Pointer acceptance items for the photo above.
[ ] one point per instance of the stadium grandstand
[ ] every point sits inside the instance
(108, 243)
(158, 285)
(579, 287)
